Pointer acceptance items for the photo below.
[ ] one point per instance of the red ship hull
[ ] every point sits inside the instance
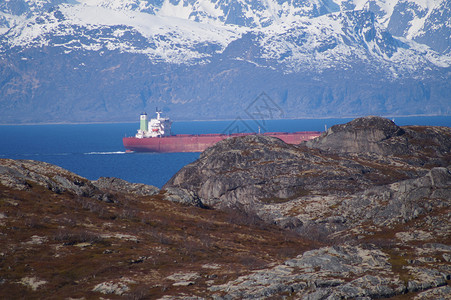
(198, 143)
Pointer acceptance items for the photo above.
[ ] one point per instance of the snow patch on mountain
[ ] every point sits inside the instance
(313, 34)
(178, 11)
(426, 7)
(129, 5)
(168, 38)
(335, 40)
(149, 25)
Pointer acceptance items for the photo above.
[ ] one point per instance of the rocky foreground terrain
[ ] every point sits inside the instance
(361, 212)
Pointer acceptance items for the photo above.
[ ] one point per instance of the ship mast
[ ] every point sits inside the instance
(158, 113)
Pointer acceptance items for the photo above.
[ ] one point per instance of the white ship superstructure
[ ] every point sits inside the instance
(158, 127)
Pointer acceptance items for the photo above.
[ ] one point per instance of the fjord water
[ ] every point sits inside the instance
(96, 150)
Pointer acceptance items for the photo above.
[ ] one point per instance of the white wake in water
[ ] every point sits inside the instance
(105, 153)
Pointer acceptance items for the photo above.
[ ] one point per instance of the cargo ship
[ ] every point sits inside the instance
(155, 136)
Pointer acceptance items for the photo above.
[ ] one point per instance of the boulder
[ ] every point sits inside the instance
(241, 169)
(122, 186)
(369, 134)
(183, 196)
(382, 136)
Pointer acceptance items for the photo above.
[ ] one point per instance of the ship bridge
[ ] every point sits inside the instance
(158, 127)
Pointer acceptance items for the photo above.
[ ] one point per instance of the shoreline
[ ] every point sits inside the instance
(224, 120)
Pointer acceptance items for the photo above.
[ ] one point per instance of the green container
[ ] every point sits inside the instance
(144, 125)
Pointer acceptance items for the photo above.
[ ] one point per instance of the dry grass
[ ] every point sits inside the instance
(81, 242)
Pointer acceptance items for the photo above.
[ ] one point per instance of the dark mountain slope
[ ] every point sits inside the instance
(59, 64)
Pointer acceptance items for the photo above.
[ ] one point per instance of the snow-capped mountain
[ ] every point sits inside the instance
(111, 59)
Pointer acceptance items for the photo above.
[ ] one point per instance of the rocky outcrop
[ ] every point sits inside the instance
(117, 288)
(377, 207)
(124, 187)
(182, 196)
(338, 272)
(378, 191)
(381, 136)
(19, 174)
(368, 134)
(258, 172)
(22, 174)
(242, 170)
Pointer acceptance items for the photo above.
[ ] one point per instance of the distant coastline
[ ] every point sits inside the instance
(228, 120)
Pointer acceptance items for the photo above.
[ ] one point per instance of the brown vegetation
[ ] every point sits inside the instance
(73, 243)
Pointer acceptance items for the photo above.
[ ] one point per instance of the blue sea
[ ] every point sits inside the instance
(96, 150)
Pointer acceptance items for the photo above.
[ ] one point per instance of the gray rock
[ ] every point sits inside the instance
(440, 178)
(381, 136)
(439, 293)
(319, 294)
(437, 246)
(426, 278)
(289, 223)
(183, 196)
(387, 183)
(325, 273)
(122, 186)
(117, 288)
(371, 286)
(398, 202)
(19, 174)
(368, 134)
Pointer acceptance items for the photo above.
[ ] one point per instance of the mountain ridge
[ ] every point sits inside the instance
(153, 48)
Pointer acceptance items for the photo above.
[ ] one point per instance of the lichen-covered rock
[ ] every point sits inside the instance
(183, 279)
(182, 196)
(240, 169)
(368, 134)
(122, 186)
(335, 272)
(381, 188)
(399, 202)
(110, 287)
(33, 282)
(19, 174)
(440, 293)
(276, 180)
(339, 272)
(381, 136)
